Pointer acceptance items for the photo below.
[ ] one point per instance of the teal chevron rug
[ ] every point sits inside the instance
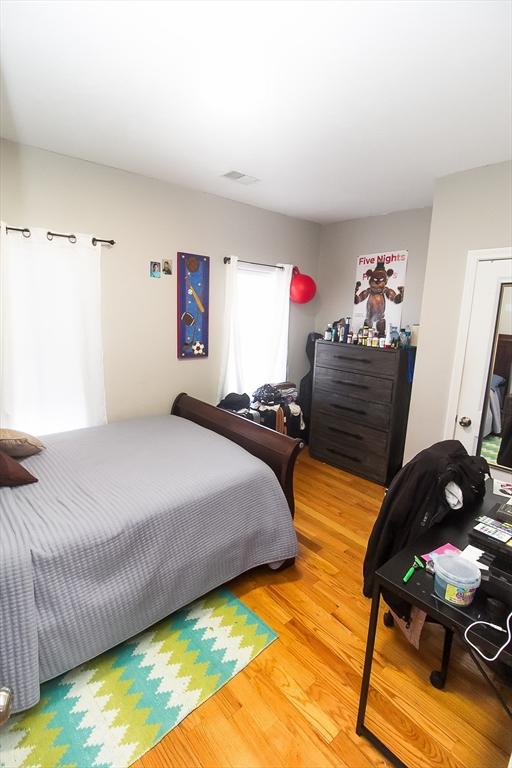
(108, 712)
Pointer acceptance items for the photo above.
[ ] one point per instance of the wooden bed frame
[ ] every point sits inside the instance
(278, 451)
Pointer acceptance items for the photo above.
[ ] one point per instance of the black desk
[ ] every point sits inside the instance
(419, 591)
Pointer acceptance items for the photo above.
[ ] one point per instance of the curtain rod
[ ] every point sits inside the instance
(227, 260)
(25, 231)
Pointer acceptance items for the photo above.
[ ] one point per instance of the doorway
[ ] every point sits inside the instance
(493, 441)
(483, 420)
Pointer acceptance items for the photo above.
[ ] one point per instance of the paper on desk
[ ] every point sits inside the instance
(502, 488)
(472, 554)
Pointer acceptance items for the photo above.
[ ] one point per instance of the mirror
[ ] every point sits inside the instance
(495, 439)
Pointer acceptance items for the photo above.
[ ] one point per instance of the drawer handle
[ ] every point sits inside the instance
(351, 384)
(346, 408)
(361, 360)
(344, 455)
(344, 432)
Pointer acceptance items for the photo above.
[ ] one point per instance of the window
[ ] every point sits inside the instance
(256, 326)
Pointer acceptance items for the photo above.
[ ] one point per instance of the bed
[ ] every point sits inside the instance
(129, 522)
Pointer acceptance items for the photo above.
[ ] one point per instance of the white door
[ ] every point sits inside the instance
(489, 278)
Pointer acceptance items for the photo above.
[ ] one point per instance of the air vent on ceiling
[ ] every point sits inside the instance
(241, 178)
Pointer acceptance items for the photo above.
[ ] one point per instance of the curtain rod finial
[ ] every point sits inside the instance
(96, 240)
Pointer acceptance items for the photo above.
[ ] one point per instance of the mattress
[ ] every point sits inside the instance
(128, 523)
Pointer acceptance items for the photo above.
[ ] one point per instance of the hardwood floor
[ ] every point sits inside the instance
(296, 704)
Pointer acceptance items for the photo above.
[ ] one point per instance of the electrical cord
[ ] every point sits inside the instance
(497, 692)
(490, 658)
(508, 630)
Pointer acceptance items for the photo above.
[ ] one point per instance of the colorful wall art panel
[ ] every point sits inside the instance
(193, 302)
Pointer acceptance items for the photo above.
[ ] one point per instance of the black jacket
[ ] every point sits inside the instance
(415, 501)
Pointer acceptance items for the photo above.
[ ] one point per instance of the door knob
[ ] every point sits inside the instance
(465, 421)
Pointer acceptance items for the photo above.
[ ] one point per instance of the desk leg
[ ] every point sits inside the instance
(361, 728)
(368, 659)
(438, 678)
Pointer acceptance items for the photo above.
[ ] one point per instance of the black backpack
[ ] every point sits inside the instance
(469, 473)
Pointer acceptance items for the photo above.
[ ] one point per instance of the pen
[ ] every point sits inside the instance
(409, 574)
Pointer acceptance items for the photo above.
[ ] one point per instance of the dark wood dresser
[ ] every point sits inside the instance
(359, 410)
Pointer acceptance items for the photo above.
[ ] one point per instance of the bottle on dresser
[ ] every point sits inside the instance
(346, 329)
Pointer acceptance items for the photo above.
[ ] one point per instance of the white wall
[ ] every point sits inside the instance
(472, 210)
(150, 219)
(341, 244)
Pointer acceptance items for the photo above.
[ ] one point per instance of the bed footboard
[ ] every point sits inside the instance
(278, 451)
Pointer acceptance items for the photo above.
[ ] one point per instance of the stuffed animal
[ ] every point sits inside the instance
(377, 294)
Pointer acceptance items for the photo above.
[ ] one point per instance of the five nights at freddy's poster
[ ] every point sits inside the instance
(193, 302)
(379, 290)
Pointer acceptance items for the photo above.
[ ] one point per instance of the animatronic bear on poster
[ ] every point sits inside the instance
(381, 297)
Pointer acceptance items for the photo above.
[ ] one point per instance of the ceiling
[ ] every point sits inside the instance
(341, 109)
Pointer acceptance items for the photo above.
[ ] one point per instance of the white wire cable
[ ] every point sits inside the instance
(508, 630)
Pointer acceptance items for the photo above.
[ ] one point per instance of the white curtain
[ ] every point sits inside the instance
(255, 326)
(51, 352)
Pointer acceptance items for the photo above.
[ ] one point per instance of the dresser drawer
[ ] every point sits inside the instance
(377, 362)
(332, 405)
(355, 385)
(358, 459)
(341, 431)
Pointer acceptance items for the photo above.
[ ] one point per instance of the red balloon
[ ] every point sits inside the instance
(302, 287)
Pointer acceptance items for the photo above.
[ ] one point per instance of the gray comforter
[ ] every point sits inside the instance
(128, 523)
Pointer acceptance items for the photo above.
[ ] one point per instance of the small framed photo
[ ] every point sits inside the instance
(155, 269)
(167, 267)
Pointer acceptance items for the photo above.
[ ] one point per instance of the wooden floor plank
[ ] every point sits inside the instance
(296, 704)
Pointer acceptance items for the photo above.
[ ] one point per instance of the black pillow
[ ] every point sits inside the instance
(13, 474)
